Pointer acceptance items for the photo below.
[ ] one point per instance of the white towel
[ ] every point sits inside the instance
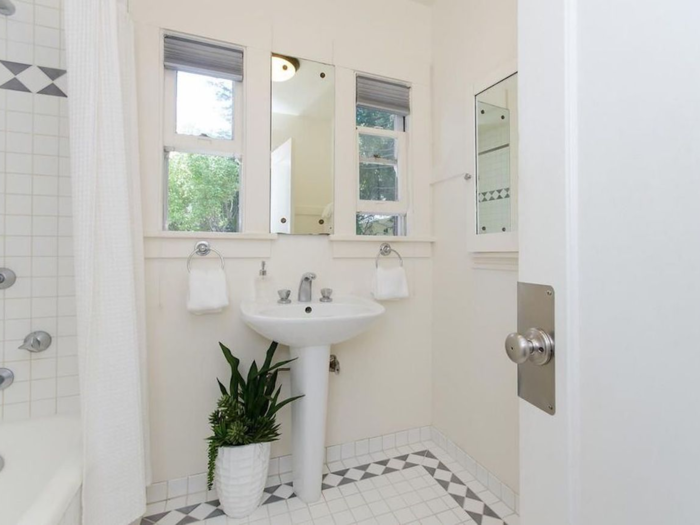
(208, 292)
(390, 284)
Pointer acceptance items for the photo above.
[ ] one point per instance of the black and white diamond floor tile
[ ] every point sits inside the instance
(391, 477)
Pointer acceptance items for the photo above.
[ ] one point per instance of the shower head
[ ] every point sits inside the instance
(7, 8)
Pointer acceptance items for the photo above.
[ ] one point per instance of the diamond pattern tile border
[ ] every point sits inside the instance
(43, 80)
(495, 195)
(465, 497)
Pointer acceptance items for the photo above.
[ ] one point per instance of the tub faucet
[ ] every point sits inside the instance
(305, 287)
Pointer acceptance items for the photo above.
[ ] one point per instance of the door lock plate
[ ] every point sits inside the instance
(536, 375)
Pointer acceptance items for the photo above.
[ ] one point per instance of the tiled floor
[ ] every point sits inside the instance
(417, 484)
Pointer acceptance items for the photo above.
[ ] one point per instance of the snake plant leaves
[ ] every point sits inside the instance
(246, 412)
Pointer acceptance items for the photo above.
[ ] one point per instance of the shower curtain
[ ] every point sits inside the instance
(109, 274)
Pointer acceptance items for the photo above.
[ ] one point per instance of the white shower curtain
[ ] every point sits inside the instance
(108, 259)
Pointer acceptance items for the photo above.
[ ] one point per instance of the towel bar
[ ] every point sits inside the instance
(384, 251)
(202, 248)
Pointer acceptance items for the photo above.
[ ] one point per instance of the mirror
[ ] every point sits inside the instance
(497, 157)
(301, 165)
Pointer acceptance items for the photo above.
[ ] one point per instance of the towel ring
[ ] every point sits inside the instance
(202, 248)
(384, 251)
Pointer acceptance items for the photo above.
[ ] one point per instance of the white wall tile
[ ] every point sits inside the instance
(47, 37)
(47, 16)
(34, 171)
(333, 454)
(18, 142)
(24, 12)
(20, 32)
(18, 394)
(20, 122)
(362, 447)
(43, 185)
(43, 368)
(18, 163)
(285, 464)
(43, 389)
(18, 225)
(401, 439)
(68, 386)
(157, 492)
(20, 52)
(44, 226)
(388, 441)
(347, 450)
(68, 405)
(67, 366)
(43, 407)
(15, 411)
(177, 488)
(18, 205)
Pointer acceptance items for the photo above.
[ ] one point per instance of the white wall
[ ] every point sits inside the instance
(474, 384)
(385, 384)
(639, 261)
(35, 218)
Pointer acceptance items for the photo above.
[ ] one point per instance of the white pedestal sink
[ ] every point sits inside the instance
(309, 329)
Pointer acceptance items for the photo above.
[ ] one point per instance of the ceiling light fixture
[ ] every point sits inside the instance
(283, 68)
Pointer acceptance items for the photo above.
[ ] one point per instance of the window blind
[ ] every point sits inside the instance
(384, 95)
(205, 58)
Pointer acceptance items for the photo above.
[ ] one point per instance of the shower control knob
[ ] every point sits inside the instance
(7, 278)
(536, 346)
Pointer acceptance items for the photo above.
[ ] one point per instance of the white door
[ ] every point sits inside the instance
(609, 216)
(545, 440)
(281, 189)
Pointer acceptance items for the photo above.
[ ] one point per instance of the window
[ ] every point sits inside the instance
(202, 135)
(382, 110)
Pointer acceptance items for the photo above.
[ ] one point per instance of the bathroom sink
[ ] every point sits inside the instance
(314, 323)
(309, 329)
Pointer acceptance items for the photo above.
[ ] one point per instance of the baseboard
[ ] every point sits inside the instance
(476, 469)
(191, 490)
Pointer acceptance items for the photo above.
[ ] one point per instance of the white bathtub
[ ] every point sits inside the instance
(40, 484)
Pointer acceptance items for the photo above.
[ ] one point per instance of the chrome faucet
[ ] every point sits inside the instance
(305, 287)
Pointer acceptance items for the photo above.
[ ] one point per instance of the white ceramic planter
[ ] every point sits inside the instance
(239, 476)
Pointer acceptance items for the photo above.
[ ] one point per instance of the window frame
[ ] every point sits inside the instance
(374, 207)
(176, 142)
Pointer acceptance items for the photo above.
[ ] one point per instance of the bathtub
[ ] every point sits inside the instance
(40, 484)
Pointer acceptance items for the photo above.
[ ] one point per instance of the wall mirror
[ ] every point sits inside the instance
(497, 157)
(301, 164)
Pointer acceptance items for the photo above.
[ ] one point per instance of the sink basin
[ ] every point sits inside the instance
(315, 323)
(309, 329)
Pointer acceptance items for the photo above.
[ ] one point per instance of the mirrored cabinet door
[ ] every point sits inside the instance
(497, 157)
(301, 160)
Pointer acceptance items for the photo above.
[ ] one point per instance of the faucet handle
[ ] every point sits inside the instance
(284, 296)
(326, 295)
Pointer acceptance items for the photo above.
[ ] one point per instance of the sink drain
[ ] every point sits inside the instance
(308, 309)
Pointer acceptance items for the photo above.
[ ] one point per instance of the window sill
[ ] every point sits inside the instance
(237, 236)
(501, 261)
(179, 245)
(381, 238)
(367, 247)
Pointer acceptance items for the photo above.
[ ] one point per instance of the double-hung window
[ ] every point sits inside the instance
(382, 112)
(202, 135)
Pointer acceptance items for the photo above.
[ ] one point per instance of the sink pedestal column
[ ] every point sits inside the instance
(309, 375)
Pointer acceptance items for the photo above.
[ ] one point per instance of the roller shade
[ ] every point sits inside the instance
(381, 94)
(203, 57)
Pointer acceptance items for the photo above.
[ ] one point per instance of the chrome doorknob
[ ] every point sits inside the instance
(536, 345)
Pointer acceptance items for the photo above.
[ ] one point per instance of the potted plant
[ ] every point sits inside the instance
(243, 426)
